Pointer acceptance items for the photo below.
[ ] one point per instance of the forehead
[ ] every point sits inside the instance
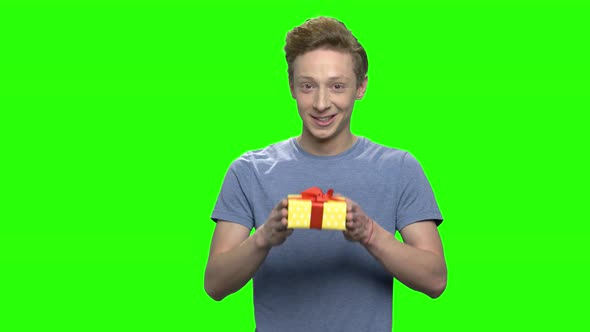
(323, 63)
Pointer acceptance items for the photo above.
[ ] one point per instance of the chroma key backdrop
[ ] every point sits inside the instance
(119, 120)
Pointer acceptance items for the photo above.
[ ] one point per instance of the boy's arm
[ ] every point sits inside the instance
(235, 256)
(418, 262)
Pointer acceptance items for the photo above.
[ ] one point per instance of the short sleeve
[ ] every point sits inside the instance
(232, 203)
(416, 200)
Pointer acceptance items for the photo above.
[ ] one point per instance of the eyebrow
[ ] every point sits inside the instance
(331, 78)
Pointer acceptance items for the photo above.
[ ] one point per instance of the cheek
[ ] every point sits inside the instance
(300, 104)
(304, 101)
(301, 108)
(343, 102)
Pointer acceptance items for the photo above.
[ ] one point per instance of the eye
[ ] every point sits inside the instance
(306, 86)
(338, 86)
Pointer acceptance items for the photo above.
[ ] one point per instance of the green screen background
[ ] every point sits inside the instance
(118, 122)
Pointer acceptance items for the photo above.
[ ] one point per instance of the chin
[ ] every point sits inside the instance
(323, 136)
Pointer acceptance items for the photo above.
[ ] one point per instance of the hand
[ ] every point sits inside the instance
(359, 227)
(274, 231)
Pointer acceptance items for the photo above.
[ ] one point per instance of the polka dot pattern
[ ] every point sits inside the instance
(299, 213)
(334, 215)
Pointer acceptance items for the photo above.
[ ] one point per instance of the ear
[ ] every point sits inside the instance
(360, 91)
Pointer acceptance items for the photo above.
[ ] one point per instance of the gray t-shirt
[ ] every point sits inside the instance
(317, 280)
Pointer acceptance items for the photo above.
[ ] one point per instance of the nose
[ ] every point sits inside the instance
(322, 100)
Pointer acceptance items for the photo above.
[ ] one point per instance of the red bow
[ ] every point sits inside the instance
(317, 195)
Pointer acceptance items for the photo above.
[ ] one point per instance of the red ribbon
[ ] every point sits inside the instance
(317, 197)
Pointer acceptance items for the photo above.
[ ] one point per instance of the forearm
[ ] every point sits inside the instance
(229, 271)
(421, 270)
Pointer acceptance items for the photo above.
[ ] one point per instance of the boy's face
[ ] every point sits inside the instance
(324, 85)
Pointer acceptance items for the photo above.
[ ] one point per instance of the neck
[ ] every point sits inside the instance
(329, 147)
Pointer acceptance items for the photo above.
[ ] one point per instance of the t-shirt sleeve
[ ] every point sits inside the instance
(416, 200)
(232, 203)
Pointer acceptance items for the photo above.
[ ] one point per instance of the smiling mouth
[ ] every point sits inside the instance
(324, 120)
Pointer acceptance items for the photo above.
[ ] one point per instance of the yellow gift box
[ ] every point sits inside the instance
(314, 209)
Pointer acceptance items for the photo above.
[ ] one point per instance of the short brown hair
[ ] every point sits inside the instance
(325, 32)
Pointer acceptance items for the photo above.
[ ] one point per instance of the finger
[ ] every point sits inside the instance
(279, 211)
(349, 203)
(350, 225)
(282, 204)
(277, 217)
(350, 216)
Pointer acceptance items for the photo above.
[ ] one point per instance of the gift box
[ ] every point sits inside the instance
(314, 209)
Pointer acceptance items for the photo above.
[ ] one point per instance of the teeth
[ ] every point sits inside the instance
(326, 118)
